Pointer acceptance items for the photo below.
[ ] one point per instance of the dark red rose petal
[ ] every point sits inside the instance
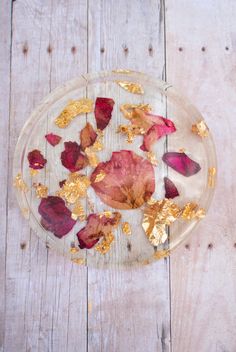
(97, 226)
(72, 158)
(103, 111)
(163, 128)
(61, 183)
(170, 189)
(56, 217)
(87, 136)
(36, 160)
(181, 163)
(129, 180)
(53, 139)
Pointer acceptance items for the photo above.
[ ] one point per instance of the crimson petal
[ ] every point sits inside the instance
(103, 111)
(162, 127)
(53, 139)
(72, 158)
(87, 136)
(170, 189)
(61, 183)
(181, 163)
(128, 183)
(36, 160)
(97, 226)
(56, 217)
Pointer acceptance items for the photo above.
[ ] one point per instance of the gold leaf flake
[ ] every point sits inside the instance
(152, 158)
(33, 172)
(73, 249)
(161, 254)
(79, 261)
(98, 145)
(211, 177)
(128, 109)
(40, 190)
(89, 307)
(126, 228)
(75, 187)
(104, 246)
(90, 205)
(130, 131)
(92, 157)
(78, 212)
(100, 176)
(72, 109)
(200, 129)
(192, 211)
(121, 70)
(182, 150)
(131, 87)
(20, 184)
(25, 212)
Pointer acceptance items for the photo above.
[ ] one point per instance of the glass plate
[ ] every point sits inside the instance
(164, 100)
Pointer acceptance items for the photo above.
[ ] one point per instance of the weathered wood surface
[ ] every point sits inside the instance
(50, 304)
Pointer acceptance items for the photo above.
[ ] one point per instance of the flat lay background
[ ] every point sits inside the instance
(186, 303)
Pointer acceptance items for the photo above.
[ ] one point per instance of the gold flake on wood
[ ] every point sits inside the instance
(135, 88)
(72, 109)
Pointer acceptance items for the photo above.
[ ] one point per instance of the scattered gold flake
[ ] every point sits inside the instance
(211, 177)
(92, 157)
(100, 176)
(131, 87)
(41, 190)
(192, 211)
(74, 188)
(156, 216)
(78, 212)
(33, 172)
(130, 131)
(151, 201)
(128, 109)
(20, 184)
(121, 70)
(107, 213)
(89, 307)
(73, 249)
(98, 145)
(152, 158)
(200, 129)
(161, 254)
(90, 205)
(182, 150)
(100, 133)
(145, 262)
(72, 109)
(79, 261)
(25, 212)
(105, 244)
(126, 228)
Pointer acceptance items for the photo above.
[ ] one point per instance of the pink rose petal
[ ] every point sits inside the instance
(170, 189)
(72, 158)
(103, 111)
(36, 160)
(87, 136)
(181, 163)
(53, 139)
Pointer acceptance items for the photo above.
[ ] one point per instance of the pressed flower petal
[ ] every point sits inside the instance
(128, 183)
(53, 139)
(61, 183)
(98, 225)
(87, 136)
(56, 217)
(181, 163)
(36, 160)
(170, 189)
(103, 111)
(72, 158)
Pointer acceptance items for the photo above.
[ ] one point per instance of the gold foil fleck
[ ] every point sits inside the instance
(100, 176)
(126, 228)
(200, 129)
(130, 131)
(182, 150)
(72, 109)
(98, 145)
(78, 212)
(161, 254)
(25, 212)
(211, 177)
(90, 205)
(74, 188)
(152, 158)
(92, 157)
(192, 211)
(33, 172)
(89, 307)
(121, 70)
(131, 87)
(20, 184)
(104, 246)
(79, 261)
(73, 249)
(40, 190)
(128, 109)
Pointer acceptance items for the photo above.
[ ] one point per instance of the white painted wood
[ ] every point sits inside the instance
(203, 273)
(5, 40)
(129, 309)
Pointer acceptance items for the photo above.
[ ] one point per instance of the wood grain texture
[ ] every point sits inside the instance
(201, 51)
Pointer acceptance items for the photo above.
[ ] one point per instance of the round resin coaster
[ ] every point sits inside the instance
(114, 168)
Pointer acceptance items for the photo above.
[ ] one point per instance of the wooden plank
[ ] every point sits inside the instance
(5, 45)
(201, 62)
(129, 310)
(46, 294)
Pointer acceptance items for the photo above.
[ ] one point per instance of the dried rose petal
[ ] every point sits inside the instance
(170, 189)
(56, 217)
(36, 160)
(103, 111)
(87, 136)
(181, 163)
(53, 139)
(160, 129)
(98, 225)
(72, 158)
(128, 183)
